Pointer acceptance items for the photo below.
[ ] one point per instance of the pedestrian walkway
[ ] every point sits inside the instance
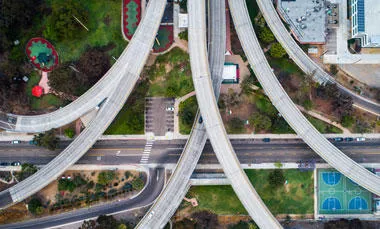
(325, 119)
(146, 153)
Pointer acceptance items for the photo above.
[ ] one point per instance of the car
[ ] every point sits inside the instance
(266, 139)
(33, 142)
(338, 139)
(360, 139)
(200, 120)
(16, 163)
(15, 142)
(4, 163)
(348, 139)
(151, 214)
(169, 108)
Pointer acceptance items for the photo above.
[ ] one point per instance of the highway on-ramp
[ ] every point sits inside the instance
(213, 122)
(146, 197)
(288, 109)
(171, 197)
(138, 52)
(303, 60)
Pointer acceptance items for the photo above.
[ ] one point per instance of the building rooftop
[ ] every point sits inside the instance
(311, 29)
(372, 14)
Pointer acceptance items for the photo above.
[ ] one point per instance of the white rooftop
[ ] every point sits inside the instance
(229, 72)
(183, 21)
(372, 15)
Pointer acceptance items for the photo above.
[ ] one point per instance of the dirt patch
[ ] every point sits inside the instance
(14, 213)
(151, 60)
(168, 68)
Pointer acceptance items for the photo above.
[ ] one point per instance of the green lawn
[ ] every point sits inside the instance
(130, 119)
(298, 199)
(46, 101)
(104, 24)
(322, 126)
(175, 81)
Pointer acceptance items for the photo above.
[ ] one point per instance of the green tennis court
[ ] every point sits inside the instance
(337, 194)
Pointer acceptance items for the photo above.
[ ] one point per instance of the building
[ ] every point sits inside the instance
(364, 25)
(231, 73)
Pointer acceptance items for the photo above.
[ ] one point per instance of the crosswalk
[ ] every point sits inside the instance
(146, 153)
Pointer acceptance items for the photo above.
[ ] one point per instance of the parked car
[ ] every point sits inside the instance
(169, 108)
(15, 142)
(349, 139)
(4, 163)
(15, 163)
(338, 139)
(200, 120)
(32, 142)
(360, 139)
(266, 139)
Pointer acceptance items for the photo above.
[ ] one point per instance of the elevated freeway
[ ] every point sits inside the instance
(304, 61)
(137, 54)
(288, 109)
(213, 122)
(169, 200)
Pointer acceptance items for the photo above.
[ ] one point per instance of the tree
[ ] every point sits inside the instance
(88, 224)
(64, 79)
(183, 5)
(266, 107)
(79, 181)
(137, 183)
(333, 69)
(184, 35)
(107, 222)
(244, 225)
(362, 126)
(33, 206)
(127, 174)
(266, 35)
(277, 51)
(93, 63)
(235, 125)
(66, 184)
(276, 178)
(61, 24)
(47, 140)
(260, 121)
(347, 121)
(69, 133)
(106, 177)
(26, 171)
(205, 219)
(307, 104)
(184, 224)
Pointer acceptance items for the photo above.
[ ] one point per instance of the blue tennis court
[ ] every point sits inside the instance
(331, 178)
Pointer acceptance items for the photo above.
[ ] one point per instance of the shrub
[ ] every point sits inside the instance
(266, 35)
(106, 177)
(69, 133)
(260, 121)
(183, 35)
(34, 206)
(277, 51)
(276, 178)
(137, 183)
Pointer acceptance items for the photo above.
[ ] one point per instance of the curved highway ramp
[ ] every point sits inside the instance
(287, 108)
(213, 122)
(171, 197)
(137, 54)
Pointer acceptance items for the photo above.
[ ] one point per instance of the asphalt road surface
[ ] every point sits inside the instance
(168, 152)
(146, 197)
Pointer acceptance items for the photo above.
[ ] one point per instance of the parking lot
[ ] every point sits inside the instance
(159, 115)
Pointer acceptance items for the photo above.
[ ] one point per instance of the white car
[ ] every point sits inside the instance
(15, 142)
(361, 139)
(169, 108)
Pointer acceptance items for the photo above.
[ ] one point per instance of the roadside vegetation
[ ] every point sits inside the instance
(187, 112)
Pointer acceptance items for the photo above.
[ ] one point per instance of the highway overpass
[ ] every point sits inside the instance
(213, 122)
(288, 109)
(138, 51)
(171, 197)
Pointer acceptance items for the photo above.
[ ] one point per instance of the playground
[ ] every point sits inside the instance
(164, 38)
(42, 54)
(131, 17)
(338, 194)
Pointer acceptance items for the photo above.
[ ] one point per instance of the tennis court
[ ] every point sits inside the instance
(337, 194)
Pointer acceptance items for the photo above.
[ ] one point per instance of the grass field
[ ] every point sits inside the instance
(104, 24)
(171, 75)
(322, 126)
(296, 198)
(187, 111)
(46, 101)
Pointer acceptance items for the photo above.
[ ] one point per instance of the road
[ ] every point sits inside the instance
(303, 60)
(146, 197)
(178, 184)
(138, 51)
(288, 109)
(213, 122)
(169, 152)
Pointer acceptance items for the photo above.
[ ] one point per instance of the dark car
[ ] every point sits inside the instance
(266, 139)
(338, 139)
(200, 120)
(15, 163)
(4, 163)
(349, 139)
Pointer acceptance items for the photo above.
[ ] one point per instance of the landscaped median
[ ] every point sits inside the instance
(131, 17)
